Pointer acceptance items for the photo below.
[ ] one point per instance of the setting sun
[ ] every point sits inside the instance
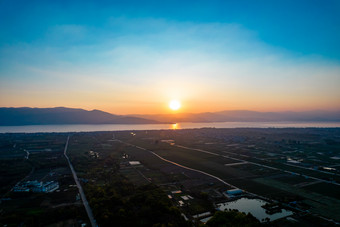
(174, 105)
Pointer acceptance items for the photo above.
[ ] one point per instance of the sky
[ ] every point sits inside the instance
(134, 57)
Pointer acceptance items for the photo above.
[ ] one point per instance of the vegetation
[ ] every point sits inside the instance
(112, 197)
(232, 218)
(122, 194)
(125, 205)
(25, 157)
(42, 217)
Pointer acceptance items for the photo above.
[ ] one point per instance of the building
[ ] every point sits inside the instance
(35, 186)
(50, 186)
(234, 192)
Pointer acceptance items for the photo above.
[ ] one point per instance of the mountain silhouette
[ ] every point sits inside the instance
(62, 115)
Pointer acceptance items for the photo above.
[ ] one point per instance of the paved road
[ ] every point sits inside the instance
(81, 192)
(258, 164)
(301, 167)
(219, 179)
(185, 167)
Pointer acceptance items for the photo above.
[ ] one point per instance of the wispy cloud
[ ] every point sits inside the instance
(144, 59)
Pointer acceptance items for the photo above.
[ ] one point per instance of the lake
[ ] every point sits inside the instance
(253, 206)
(123, 127)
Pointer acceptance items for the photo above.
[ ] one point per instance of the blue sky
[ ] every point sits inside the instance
(134, 56)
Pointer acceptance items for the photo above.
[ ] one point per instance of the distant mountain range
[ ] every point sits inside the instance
(62, 115)
(247, 116)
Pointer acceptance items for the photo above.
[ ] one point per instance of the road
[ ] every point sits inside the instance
(210, 175)
(27, 176)
(258, 164)
(224, 182)
(80, 188)
(188, 168)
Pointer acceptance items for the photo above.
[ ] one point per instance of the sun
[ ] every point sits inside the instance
(174, 104)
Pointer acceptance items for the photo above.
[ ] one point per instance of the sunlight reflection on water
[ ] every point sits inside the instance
(185, 125)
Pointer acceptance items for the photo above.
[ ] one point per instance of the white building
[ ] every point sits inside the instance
(234, 191)
(35, 186)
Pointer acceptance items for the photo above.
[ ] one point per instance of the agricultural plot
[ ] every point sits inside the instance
(293, 167)
(324, 189)
(258, 160)
(38, 158)
(323, 205)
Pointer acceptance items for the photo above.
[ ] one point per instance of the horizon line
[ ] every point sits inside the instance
(178, 112)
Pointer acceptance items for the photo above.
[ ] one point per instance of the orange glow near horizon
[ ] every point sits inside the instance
(156, 100)
(137, 65)
(190, 107)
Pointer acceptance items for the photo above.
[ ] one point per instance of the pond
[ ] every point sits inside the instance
(253, 206)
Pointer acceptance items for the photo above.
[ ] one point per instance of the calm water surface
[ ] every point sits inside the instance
(123, 127)
(253, 206)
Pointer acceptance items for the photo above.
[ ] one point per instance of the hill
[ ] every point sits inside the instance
(62, 115)
(247, 116)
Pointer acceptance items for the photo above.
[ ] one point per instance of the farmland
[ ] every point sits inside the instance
(189, 171)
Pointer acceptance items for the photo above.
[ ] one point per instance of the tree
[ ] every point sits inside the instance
(232, 218)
